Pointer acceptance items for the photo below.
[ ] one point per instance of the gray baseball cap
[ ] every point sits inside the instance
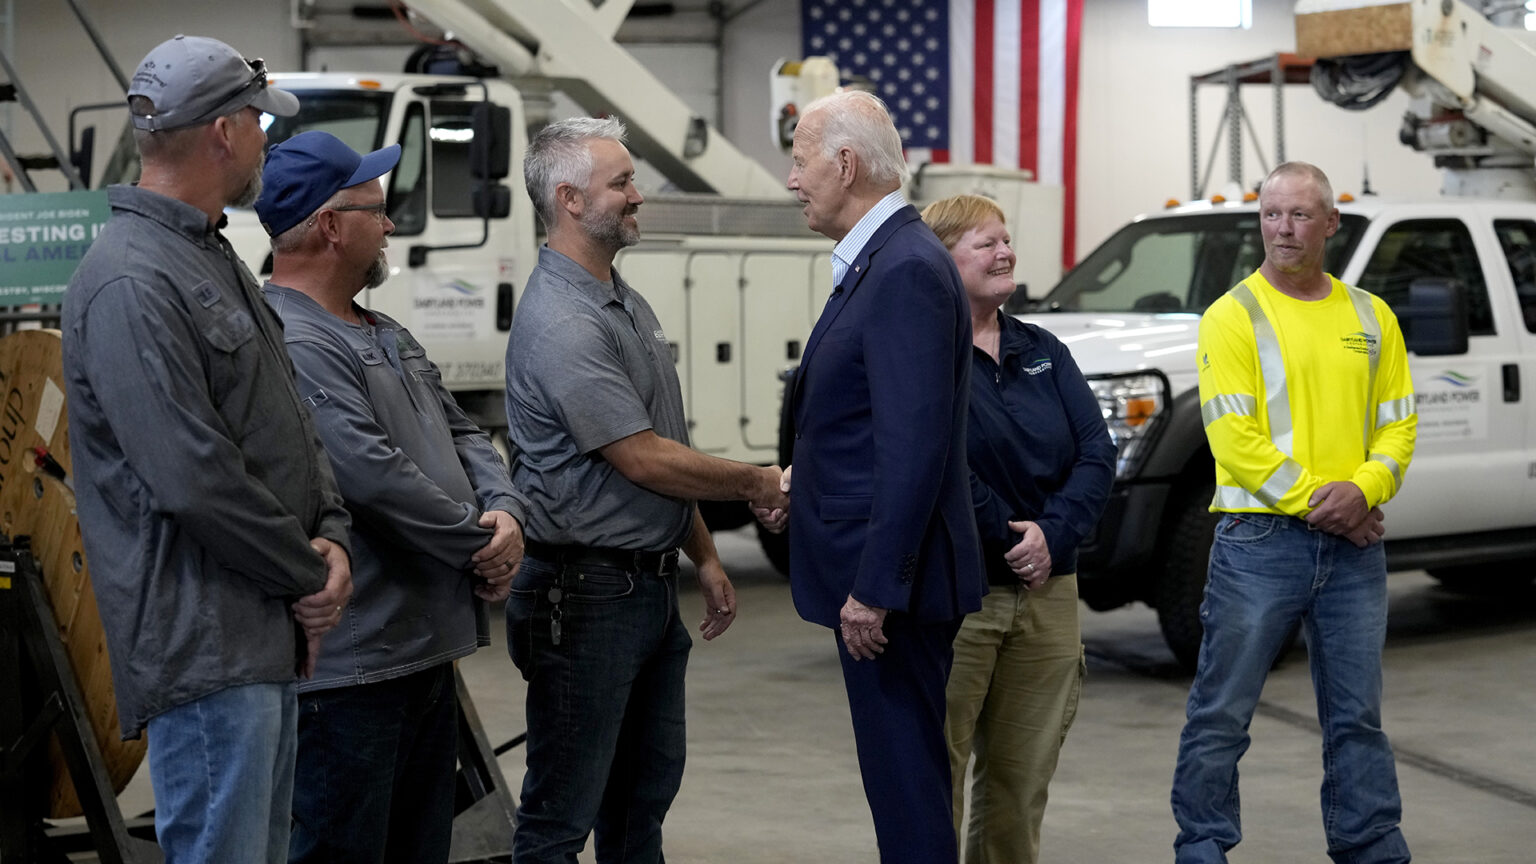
(194, 80)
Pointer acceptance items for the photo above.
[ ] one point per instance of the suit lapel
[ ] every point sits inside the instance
(851, 281)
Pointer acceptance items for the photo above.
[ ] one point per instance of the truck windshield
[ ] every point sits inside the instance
(355, 117)
(1177, 264)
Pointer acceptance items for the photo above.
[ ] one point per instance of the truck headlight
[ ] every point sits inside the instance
(1133, 406)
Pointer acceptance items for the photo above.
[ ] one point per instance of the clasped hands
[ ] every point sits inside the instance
(317, 613)
(1340, 508)
(497, 561)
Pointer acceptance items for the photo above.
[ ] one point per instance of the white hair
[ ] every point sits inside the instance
(858, 120)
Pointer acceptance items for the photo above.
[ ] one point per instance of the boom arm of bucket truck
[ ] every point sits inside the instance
(1473, 82)
(570, 44)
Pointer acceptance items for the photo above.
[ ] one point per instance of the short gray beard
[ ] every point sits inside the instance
(378, 271)
(610, 231)
(252, 189)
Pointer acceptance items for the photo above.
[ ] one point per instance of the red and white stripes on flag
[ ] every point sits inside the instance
(1013, 92)
(968, 81)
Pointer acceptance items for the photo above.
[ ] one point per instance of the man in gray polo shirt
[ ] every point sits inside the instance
(601, 450)
(207, 507)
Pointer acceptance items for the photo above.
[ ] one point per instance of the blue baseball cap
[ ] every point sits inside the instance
(303, 173)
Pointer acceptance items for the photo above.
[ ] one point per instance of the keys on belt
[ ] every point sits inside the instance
(643, 561)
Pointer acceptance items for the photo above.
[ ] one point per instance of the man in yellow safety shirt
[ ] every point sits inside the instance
(1309, 412)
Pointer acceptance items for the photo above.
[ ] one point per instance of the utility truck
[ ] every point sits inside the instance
(1459, 271)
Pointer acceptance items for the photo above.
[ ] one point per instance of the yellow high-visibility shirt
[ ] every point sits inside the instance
(1292, 400)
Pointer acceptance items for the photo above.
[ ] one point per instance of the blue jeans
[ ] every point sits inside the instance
(1266, 572)
(222, 770)
(605, 709)
(376, 772)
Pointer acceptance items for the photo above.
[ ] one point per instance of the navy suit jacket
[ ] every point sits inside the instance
(881, 494)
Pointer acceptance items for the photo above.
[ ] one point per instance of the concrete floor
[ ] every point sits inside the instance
(772, 775)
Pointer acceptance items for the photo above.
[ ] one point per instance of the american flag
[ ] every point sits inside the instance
(984, 81)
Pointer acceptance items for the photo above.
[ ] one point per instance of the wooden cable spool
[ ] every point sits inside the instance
(34, 503)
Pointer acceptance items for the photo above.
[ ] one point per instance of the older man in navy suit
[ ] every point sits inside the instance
(883, 544)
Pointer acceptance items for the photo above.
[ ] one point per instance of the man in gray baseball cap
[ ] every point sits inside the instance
(192, 80)
(217, 538)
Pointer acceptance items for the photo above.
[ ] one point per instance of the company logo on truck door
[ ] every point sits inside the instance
(1456, 379)
(1451, 406)
(455, 309)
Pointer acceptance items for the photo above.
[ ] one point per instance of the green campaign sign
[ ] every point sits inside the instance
(43, 236)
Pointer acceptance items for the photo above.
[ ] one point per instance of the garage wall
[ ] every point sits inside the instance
(1133, 117)
(1133, 149)
(61, 69)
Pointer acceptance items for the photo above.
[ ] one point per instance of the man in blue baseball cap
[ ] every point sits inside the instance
(436, 522)
(206, 503)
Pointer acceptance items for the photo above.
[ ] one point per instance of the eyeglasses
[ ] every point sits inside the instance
(378, 210)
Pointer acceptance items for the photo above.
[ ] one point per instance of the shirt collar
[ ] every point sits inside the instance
(847, 249)
(175, 214)
(594, 289)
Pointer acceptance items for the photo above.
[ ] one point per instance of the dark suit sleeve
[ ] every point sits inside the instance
(909, 346)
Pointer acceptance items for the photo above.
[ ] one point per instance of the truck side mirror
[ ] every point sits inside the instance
(492, 200)
(1435, 320)
(490, 150)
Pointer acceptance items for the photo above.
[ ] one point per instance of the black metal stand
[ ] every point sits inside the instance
(484, 812)
(30, 646)
(33, 661)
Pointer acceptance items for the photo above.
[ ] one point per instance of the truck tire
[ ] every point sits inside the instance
(1181, 584)
(776, 546)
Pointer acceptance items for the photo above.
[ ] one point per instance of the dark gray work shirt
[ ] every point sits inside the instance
(415, 474)
(199, 476)
(588, 364)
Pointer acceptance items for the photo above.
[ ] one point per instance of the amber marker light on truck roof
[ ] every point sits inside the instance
(1346, 198)
(1218, 199)
(1170, 203)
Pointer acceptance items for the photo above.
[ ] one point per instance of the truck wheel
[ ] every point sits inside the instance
(1487, 580)
(776, 547)
(1181, 585)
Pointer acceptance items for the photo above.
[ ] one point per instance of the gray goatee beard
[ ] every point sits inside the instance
(378, 271)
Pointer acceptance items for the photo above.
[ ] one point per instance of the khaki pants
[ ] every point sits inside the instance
(1012, 696)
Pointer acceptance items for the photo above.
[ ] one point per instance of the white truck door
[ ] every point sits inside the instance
(1516, 233)
(1471, 442)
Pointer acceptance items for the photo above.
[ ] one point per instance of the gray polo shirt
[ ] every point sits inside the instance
(588, 364)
